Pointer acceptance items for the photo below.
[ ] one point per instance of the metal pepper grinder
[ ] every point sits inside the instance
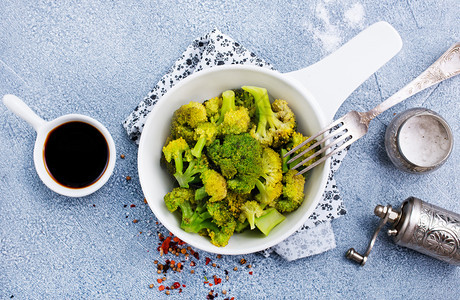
(420, 226)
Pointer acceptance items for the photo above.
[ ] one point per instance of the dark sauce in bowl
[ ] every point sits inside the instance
(76, 154)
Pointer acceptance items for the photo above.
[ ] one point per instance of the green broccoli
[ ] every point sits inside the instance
(249, 211)
(245, 99)
(275, 124)
(239, 159)
(179, 198)
(186, 119)
(293, 192)
(179, 151)
(296, 139)
(214, 185)
(221, 235)
(235, 121)
(269, 220)
(228, 104)
(269, 185)
(213, 107)
(205, 133)
(220, 213)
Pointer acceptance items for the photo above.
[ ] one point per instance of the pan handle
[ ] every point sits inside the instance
(334, 78)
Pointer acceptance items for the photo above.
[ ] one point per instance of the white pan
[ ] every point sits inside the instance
(314, 93)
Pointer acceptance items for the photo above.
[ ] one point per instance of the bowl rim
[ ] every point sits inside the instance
(263, 245)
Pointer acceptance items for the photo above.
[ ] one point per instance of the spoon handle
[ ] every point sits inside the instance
(447, 66)
(19, 108)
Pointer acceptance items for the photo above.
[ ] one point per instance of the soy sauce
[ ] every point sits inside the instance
(76, 154)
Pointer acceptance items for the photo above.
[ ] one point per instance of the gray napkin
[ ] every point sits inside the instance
(215, 49)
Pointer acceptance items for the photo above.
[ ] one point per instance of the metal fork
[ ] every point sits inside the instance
(354, 124)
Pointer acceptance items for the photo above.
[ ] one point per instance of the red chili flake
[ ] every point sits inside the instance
(176, 285)
(165, 245)
(176, 239)
(133, 205)
(170, 234)
(250, 273)
(135, 220)
(180, 290)
(159, 280)
(192, 264)
(217, 280)
(183, 285)
(210, 284)
(208, 260)
(161, 288)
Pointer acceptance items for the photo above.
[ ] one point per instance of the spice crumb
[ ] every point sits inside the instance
(128, 178)
(151, 286)
(122, 156)
(235, 269)
(167, 292)
(145, 200)
(224, 292)
(135, 220)
(192, 271)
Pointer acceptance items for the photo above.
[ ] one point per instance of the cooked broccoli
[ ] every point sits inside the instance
(179, 198)
(245, 99)
(220, 212)
(221, 235)
(269, 220)
(234, 177)
(228, 104)
(214, 185)
(179, 151)
(293, 192)
(249, 211)
(213, 106)
(205, 133)
(269, 185)
(239, 160)
(186, 119)
(275, 123)
(296, 139)
(236, 121)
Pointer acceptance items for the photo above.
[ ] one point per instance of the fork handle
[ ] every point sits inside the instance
(448, 65)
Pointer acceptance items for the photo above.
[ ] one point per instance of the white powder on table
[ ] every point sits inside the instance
(355, 15)
(424, 141)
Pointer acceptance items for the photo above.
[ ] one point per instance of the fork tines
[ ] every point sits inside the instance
(335, 130)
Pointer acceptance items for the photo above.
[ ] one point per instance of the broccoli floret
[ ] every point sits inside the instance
(241, 226)
(213, 106)
(228, 104)
(235, 201)
(214, 185)
(186, 119)
(269, 185)
(239, 160)
(245, 99)
(236, 121)
(222, 235)
(275, 125)
(293, 192)
(296, 139)
(196, 220)
(179, 198)
(220, 212)
(205, 134)
(249, 211)
(179, 151)
(269, 220)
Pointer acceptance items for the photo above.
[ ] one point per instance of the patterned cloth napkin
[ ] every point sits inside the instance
(215, 49)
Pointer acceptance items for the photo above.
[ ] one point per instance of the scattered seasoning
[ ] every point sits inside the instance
(250, 273)
(135, 220)
(208, 260)
(128, 178)
(224, 292)
(219, 256)
(132, 205)
(161, 288)
(145, 201)
(235, 269)
(167, 292)
(242, 261)
(122, 156)
(249, 266)
(214, 265)
(217, 280)
(192, 271)
(151, 286)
